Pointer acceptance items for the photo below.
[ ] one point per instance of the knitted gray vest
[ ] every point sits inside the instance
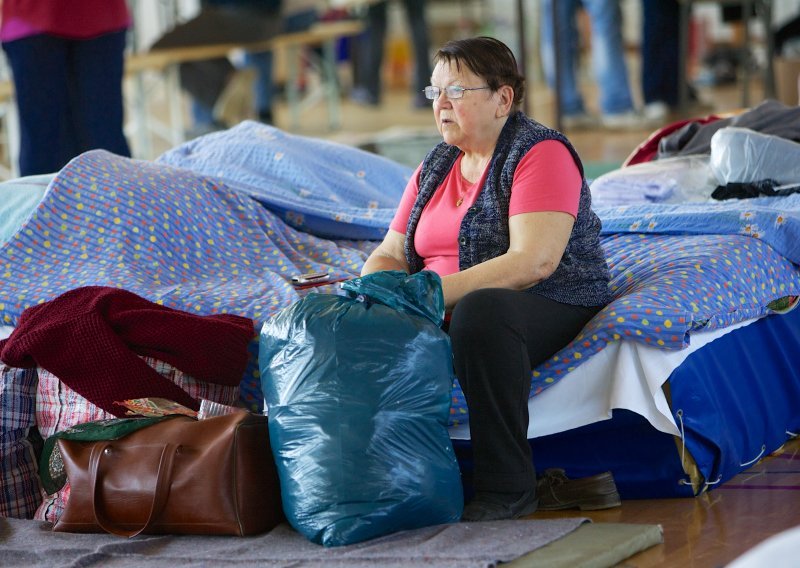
(581, 277)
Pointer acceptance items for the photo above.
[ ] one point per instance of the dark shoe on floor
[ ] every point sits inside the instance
(265, 117)
(491, 506)
(361, 96)
(556, 491)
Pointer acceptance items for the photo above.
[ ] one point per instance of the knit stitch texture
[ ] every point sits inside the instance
(91, 338)
(582, 276)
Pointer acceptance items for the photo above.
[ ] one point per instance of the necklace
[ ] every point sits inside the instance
(464, 188)
(462, 191)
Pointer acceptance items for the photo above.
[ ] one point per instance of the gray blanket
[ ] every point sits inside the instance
(32, 544)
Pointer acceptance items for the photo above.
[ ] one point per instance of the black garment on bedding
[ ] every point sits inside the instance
(746, 190)
(769, 117)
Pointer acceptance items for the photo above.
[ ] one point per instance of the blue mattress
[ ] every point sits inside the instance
(737, 400)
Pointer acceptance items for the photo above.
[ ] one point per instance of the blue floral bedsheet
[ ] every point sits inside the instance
(681, 268)
(192, 242)
(324, 188)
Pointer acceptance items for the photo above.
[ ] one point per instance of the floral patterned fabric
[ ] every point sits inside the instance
(191, 242)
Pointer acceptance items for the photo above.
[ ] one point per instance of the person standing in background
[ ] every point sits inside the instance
(660, 57)
(297, 16)
(608, 62)
(216, 85)
(368, 84)
(67, 61)
(661, 74)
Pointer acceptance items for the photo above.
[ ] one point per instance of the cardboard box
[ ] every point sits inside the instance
(787, 77)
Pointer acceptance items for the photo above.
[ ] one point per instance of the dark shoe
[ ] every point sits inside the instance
(265, 117)
(361, 96)
(557, 491)
(491, 506)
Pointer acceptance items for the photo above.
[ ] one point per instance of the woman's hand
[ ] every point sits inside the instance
(390, 255)
(537, 243)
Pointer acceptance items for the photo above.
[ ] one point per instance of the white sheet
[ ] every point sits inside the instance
(626, 375)
(18, 198)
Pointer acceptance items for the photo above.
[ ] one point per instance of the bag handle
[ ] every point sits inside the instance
(163, 481)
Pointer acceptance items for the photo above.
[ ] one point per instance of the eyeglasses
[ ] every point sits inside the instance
(452, 92)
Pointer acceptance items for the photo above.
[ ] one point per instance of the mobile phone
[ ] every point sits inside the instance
(310, 278)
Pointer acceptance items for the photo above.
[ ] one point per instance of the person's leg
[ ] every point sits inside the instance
(263, 64)
(39, 68)
(608, 56)
(660, 49)
(205, 80)
(96, 97)
(788, 31)
(264, 89)
(498, 336)
(571, 100)
(418, 24)
(371, 54)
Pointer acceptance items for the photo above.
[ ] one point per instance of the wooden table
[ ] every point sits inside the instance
(166, 61)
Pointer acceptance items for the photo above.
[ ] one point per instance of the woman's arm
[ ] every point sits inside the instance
(537, 243)
(390, 254)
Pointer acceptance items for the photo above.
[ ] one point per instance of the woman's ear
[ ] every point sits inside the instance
(505, 101)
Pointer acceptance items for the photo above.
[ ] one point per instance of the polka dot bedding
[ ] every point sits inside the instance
(189, 241)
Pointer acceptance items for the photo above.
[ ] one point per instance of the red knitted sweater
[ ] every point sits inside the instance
(90, 337)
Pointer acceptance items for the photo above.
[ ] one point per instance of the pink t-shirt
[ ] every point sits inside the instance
(546, 179)
(71, 19)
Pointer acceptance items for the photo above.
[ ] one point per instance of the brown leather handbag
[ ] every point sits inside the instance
(178, 476)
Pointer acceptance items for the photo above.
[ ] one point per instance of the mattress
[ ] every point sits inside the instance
(612, 400)
(732, 401)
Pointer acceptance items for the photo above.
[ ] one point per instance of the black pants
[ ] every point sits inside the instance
(371, 46)
(498, 336)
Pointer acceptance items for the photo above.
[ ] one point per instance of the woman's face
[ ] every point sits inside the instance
(463, 122)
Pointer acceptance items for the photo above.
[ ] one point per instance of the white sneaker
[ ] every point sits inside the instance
(657, 111)
(579, 121)
(629, 120)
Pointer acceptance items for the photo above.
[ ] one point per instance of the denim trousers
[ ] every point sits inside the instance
(608, 57)
(206, 79)
(69, 98)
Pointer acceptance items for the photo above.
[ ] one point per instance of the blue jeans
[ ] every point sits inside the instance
(69, 97)
(608, 56)
(263, 62)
